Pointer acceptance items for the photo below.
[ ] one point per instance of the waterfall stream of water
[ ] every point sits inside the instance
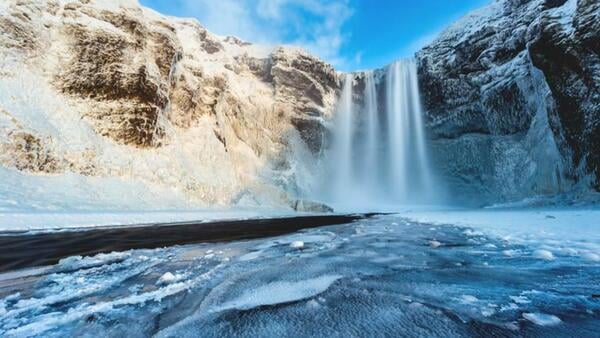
(343, 152)
(379, 154)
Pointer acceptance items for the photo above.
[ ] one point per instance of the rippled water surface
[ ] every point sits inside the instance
(380, 276)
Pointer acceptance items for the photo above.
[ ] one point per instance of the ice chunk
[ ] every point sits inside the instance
(168, 278)
(543, 254)
(280, 292)
(434, 244)
(297, 245)
(542, 319)
(79, 262)
(471, 233)
(520, 299)
(590, 256)
(487, 312)
(468, 299)
(250, 256)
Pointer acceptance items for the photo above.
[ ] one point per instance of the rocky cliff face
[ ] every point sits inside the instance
(108, 101)
(110, 89)
(565, 45)
(512, 97)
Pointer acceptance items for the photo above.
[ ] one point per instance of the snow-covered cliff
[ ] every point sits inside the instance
(513, 101)
(108, 104)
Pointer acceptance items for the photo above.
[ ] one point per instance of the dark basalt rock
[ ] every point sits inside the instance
(569, 57)
(480, 77)
(470, 80)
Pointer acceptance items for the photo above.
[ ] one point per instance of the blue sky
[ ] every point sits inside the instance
(351, 34)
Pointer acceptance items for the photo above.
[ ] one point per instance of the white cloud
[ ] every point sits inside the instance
(316, 25)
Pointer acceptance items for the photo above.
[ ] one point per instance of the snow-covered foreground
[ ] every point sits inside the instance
(79, 220)
(380, 276)
(572, 231)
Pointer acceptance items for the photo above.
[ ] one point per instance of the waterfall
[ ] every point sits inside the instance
(379, 154)
(343, 151)
(410, 175)
(370, 167)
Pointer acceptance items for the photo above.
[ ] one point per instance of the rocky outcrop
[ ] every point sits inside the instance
(565, 45)
(122, 91)
(26, 152)
(512, 90)
(303, 81)
(310, 206)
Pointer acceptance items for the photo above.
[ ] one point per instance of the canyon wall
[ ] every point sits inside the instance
(512, 98)
(109, 89)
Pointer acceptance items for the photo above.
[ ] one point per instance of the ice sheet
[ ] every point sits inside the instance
(394, 282)
(573, 231)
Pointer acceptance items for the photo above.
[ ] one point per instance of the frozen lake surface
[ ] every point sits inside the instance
(381, 276)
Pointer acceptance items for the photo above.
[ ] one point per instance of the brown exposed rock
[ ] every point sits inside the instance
(307, 83)
(29, 153)
(168, 89)
(236, 41)
(193, 97)
(302, 72)
(312, 131)
(259, 67)
(211, 46)
(166, 53)
(18, 32)
(105, 68)
(130, 123)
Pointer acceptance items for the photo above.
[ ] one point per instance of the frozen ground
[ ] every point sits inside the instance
(383, 276)
(75, 201)
(36, 221)
(574, 230)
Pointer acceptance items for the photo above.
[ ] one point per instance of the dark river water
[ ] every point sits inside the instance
(23, 250)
